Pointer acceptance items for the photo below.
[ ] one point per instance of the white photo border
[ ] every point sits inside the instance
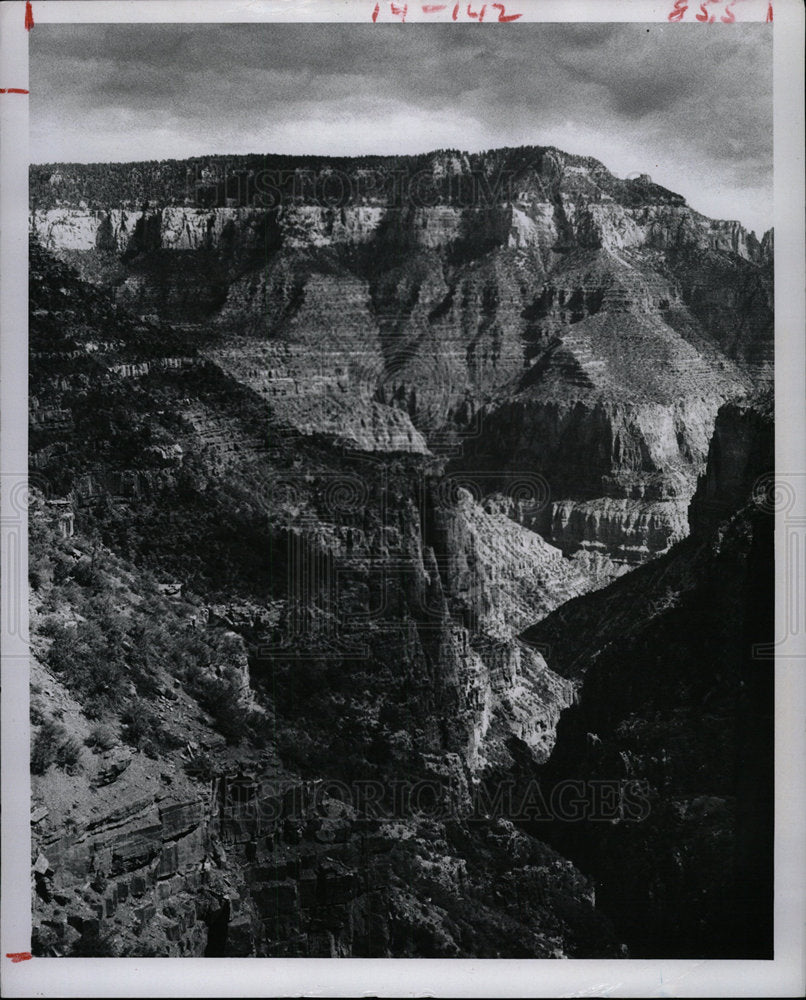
(782, 976)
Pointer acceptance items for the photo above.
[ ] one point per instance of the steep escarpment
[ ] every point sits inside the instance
(675, 697)
(166, 821)
(211, 589)
(740, 462)
(523, 304)
(615, 411)
(339, 503)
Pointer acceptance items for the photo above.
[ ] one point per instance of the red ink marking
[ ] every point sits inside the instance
(769, 14)
(19, 956)
(705, 16)
(458, 12)
(680, 8)
(729, 17)
(473, 14)
(503, 17)
(12, 90)
(29, 16)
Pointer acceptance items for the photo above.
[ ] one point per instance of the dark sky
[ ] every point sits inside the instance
(689, 104)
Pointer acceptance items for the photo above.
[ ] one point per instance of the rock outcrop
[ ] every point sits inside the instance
(521, 304)
(740, 464)
(418, 463)
(673, 698)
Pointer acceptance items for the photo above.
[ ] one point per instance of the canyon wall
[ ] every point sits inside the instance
(302, 583)
(520, 308)
(389, 492)
(528, 223)
(674, 694)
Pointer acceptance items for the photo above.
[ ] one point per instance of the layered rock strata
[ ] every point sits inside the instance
(520, 304)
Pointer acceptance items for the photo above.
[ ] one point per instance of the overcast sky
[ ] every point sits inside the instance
(689, 104)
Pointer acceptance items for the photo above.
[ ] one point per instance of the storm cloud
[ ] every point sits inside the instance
(690, 105)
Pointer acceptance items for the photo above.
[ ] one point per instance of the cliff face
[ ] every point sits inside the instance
(331, 467)
(192, 720)
(530, 223)
(740, 462)
(617, 409)
(672, 695)
(519, 307)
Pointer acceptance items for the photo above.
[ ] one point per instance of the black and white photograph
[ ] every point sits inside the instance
(402, 499)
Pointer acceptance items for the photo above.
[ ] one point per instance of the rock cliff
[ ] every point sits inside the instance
(740, 463)
(339, 528)
(672, 693)
(524, 304)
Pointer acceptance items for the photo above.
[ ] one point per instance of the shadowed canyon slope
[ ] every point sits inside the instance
(251, 650)
(675, 674)
(342, 472)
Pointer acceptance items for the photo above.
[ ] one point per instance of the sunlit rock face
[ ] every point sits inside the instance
(514, 310)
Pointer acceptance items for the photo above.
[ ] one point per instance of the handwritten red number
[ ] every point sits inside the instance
(680, 8)
(376, 12)
(728, 17)
(29, 16)
(400, 11)
(503, 17)
(704, 16)
(432, 8)
(19, 956)
(769, 13)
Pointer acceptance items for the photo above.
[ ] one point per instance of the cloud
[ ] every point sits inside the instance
(692, 107)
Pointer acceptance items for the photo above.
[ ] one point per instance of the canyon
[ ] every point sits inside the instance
(376, 508)
(525, 305)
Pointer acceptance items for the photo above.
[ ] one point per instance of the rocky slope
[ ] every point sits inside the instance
(323, 466)
(210, 591)
(513, 309)
(158, 830)
(671, 696)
